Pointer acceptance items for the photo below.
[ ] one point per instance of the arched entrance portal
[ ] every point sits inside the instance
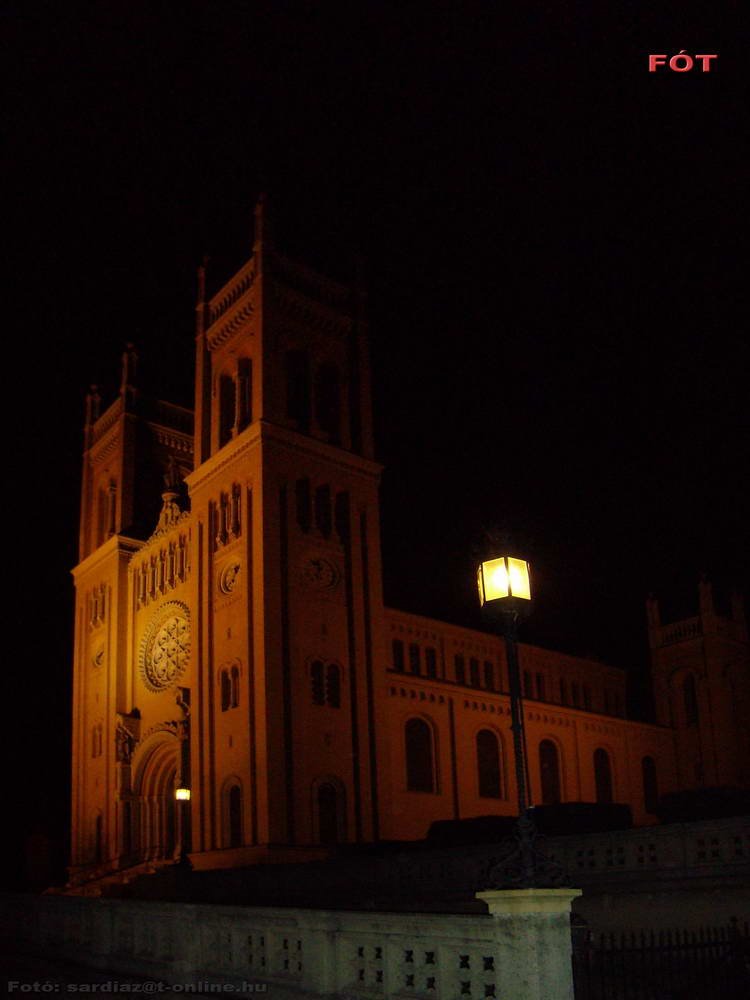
(155, 822)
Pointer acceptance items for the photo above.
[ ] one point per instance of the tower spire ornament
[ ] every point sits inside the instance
(171, 513)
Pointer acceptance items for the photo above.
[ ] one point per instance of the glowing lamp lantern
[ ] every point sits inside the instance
(503, 579)
(182, 794)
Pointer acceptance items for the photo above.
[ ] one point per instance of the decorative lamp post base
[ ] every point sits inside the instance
(524, 865)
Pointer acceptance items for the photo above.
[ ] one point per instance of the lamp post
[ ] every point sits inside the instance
(182, 797)
(505, 594)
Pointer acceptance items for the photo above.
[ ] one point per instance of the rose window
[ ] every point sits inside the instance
(166, 647)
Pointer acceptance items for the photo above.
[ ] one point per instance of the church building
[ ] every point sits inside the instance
(242, 694)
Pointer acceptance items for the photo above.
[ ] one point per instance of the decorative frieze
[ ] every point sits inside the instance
(162, 570)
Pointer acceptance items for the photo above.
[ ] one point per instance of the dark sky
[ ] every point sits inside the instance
(555, 243)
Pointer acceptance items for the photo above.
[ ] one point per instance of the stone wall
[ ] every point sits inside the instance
(520, 950)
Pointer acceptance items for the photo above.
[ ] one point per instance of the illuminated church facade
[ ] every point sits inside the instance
(231, 638)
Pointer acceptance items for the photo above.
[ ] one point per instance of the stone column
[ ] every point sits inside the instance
(532, 931)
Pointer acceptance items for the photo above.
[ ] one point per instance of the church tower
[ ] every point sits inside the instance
(284, 499)
(701, 677)
(226, 644)
(133, 451)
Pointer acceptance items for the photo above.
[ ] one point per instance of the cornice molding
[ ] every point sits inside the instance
(234, 320)
(116, 545)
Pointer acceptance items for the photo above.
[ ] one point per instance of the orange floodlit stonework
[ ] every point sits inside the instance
(231, 640)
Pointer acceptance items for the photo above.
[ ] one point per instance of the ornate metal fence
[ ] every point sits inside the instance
(700, 964)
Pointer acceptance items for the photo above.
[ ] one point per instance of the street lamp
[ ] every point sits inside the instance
(182, 797)
(505, 595)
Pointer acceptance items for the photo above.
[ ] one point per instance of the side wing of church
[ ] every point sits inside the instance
(231, 639)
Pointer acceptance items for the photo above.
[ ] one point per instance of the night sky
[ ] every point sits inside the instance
(555, 244)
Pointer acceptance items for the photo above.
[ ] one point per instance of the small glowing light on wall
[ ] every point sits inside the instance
(503, 578)
(182, 794)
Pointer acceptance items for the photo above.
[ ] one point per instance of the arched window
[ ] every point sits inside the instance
(415, 665)
(298, 388)
(420, 767)
(235, 686)
(227, 408)
(563, 692)
(430, 661)
(528, 686)
(328, 818)
(318, 683)
(549, 770)
(328, 401)
(460, 669)
(474, 672)
(333, 685)
(226, 691)
(540, 688)
(488, 764)
(603, 776)
(650, 785)
(489, 676)
(690, 700)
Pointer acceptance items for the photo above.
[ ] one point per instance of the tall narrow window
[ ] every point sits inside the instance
(244, 393)
(528, 687)
(430, 659)
(328, 820)
(549, 770)
(488, 764)
(328, 402)
(489, 675)
(226, 691)
(540, 691)
(235, 816)
(602, 776)
(397, 648)
(318, 683)
(227, 409)
(575, 693)
(333, 685)
(690, 700)
(420, 767)
(323, 513)
(415, 658)
(298, 389)
(587, 697)
(460, 668)
(235, 687)
(650, 785)
(474, 672)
